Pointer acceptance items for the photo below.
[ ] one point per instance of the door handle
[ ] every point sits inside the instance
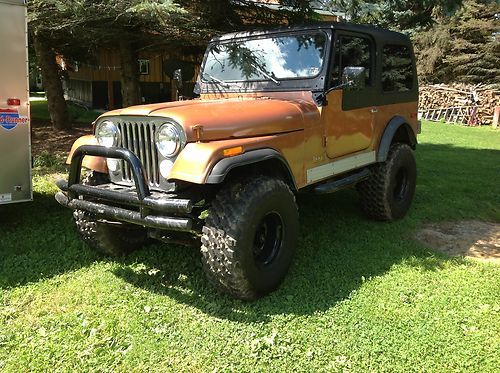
(374, 110)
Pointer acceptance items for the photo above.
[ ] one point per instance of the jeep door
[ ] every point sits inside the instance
(349, 116)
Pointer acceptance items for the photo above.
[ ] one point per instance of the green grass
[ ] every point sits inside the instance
(77, 114)
(39, 94)
(360, 296)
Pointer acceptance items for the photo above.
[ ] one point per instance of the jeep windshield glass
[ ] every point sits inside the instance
(273, 58)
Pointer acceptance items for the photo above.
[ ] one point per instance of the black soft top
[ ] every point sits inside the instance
(384, 35)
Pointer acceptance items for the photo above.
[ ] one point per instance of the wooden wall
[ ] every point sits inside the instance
(108, 67)
(88, 80)
(79, 90)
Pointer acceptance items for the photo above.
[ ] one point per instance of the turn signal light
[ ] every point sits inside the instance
(14, 102)
(231, 152)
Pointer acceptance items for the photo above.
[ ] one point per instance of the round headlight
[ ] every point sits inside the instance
(107, 134)
(169, 139)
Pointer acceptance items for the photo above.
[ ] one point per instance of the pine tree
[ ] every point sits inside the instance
(76, 29)
(408, 16)
(475, 48)
(464, 47)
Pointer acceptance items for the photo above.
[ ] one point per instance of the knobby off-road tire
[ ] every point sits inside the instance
(112, 239)
(387, 194)
(250, 236)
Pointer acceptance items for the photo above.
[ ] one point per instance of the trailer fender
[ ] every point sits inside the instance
(90, 162)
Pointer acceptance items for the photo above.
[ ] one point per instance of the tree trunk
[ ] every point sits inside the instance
(131, 89)
(58, 109)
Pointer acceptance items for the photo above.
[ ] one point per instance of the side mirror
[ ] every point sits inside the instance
(354, 77)
(178, 78)
(197, 89)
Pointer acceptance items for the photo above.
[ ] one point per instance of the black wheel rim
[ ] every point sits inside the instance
(401, 185)
(268, 239)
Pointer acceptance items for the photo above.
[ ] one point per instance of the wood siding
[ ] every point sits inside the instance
(79, 90)
(107, 67)
(88, 81)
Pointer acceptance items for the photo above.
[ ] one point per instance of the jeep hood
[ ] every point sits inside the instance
(232, 118)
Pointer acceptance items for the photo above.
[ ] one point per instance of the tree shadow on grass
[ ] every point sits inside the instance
(38, 241)
(339, 249)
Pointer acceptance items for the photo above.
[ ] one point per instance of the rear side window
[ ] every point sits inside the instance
(352, 51)
(397, 68)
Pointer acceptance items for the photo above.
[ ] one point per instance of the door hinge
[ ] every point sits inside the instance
(324, 141)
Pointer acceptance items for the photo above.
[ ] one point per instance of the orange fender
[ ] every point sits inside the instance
(92, 163)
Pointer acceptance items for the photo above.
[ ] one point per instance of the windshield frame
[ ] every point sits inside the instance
(315, 83)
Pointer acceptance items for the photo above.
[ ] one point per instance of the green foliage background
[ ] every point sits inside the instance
(455, 40)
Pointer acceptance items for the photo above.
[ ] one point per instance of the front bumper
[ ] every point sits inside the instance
(135, 205)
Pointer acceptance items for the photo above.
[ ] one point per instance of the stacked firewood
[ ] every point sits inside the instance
(444, 96)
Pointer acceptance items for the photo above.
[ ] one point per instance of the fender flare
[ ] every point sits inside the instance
(91, 162)
(222, 168)
(389, 132)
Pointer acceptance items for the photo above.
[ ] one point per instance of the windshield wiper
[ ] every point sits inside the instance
(213, 79)
(265, 73)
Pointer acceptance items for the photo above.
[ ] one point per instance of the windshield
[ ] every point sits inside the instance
(272, 58)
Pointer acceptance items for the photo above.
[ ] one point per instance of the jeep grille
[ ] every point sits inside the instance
(139, 137)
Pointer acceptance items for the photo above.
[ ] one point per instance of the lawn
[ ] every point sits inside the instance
(360, 296)
(77, 114)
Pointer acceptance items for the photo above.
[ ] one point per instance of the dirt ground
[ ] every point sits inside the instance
(57, 143)
(472, 239)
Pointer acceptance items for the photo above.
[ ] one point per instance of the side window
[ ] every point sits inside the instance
(397, 68)
(352, 51)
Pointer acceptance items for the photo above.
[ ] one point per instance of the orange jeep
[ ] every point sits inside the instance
(301, 109)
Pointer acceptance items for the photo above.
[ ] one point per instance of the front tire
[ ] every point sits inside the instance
(250, 236)
(388, 193)
(107, 238)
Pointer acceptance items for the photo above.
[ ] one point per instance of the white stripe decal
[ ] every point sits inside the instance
(338, 167)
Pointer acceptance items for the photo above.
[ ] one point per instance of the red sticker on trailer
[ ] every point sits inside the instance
(10, 118)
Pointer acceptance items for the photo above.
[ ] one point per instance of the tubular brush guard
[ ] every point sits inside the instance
(132, 199)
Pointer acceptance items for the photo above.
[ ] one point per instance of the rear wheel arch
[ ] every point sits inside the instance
(396, 131)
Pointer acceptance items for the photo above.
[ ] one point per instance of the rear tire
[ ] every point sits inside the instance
(110, 238)
(250, 236)
(388, 193)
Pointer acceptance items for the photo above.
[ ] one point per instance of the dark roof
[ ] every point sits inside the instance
(376, 32)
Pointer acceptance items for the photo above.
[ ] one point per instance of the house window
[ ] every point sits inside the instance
(144, 67)
(397, 68)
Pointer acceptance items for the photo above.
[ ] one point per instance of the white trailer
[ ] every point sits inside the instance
(15, 131)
